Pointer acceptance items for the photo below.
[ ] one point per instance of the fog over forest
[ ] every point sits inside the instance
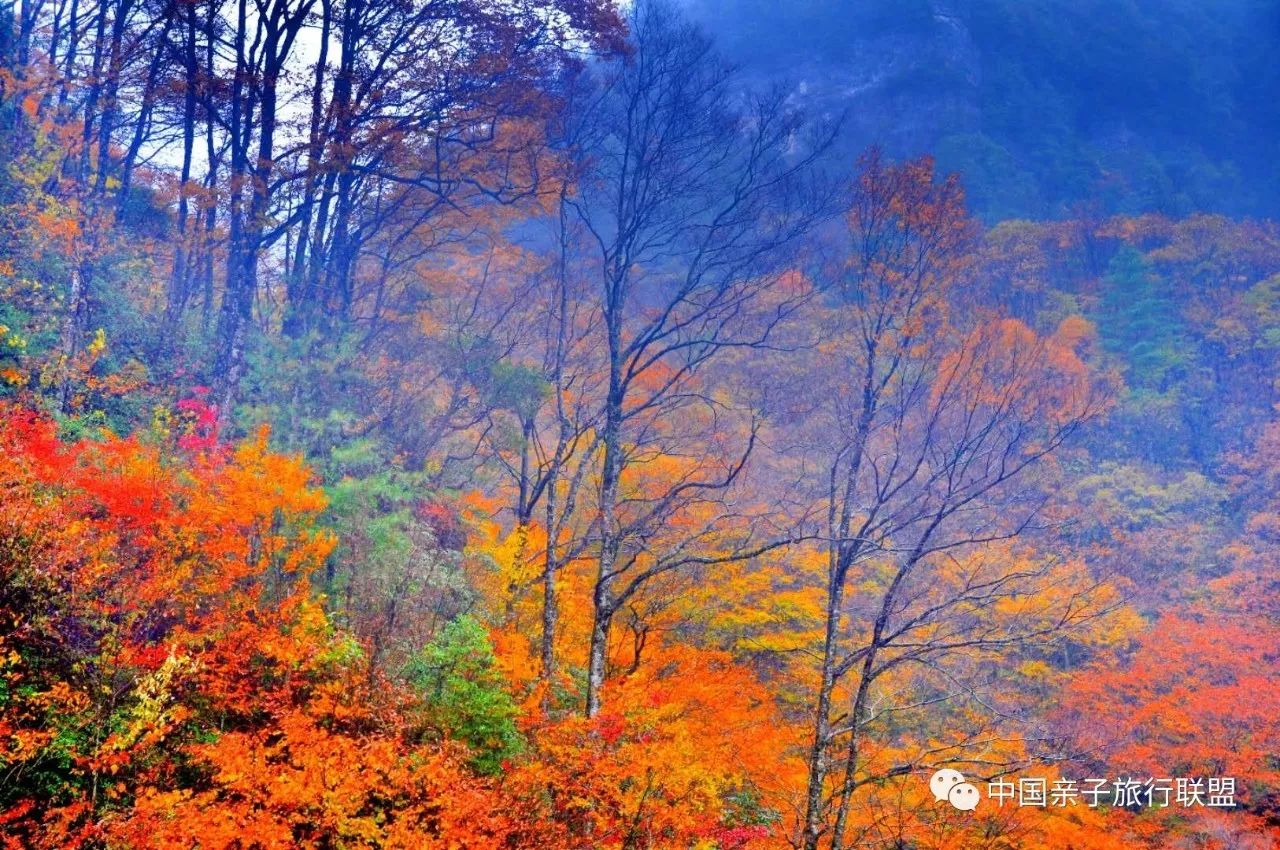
(1139, 106)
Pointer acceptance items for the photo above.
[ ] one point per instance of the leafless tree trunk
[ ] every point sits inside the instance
(934, 443)
(690, 204)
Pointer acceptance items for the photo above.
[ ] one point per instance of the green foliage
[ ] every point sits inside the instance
(14, 344)
(393, 569)
(1132, 498)
(1140, 323)
(743, 807)
(995, 181)
(465, 695)
(297, 386)
(517, 388)
(1263, 301)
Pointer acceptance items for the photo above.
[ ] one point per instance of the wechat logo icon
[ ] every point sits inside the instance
(949, 785)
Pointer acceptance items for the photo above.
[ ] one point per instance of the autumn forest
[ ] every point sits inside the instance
(520, 425)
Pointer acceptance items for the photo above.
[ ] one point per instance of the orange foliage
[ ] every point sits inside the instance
(688, 753)
(170, 678)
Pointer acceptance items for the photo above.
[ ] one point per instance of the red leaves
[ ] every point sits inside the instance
(444, 523)
(609, 727)
(1200, 695)
(181, 686)
(200, 421)
(147, 604)
(737, 837)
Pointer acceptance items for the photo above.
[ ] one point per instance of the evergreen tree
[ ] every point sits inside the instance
(466, 698)
(1139, 323)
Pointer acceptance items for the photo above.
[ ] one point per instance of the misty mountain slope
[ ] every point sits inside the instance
(1173, 107)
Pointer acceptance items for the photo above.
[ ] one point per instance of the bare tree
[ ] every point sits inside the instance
(930, 422)
(409, 106)
(690, 191)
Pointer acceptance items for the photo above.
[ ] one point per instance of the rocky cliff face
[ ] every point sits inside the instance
(899, 76)
(904, 88)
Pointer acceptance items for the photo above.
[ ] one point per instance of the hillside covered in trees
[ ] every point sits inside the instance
(1044, 106)
(516, 426)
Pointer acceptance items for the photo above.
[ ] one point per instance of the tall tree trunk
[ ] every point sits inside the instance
(180, 277)
(73, 327)
(842, 553)
(550, 601)
(110, 87)
(603, 602)
(211, 177)
(241, 267)
(300, 295)
(143, 122)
